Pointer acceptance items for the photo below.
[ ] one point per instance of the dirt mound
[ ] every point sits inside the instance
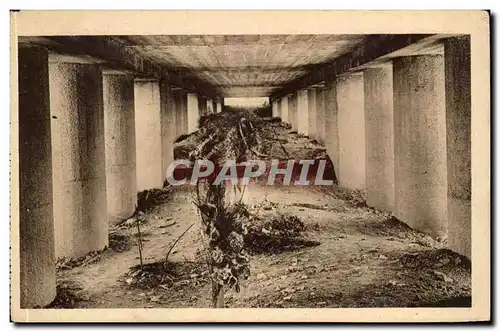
(435, 259)
(163, 275)
(119, 242)
(148, 199)
(68, 295)
(66, 263)
(280, 234)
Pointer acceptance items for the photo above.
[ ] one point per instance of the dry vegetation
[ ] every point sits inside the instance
(284, 247)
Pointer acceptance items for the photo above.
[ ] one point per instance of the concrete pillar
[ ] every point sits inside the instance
(275, 108)
(331, 136)
(293, 111)
(285, 110)
(218, 107)
(179, 118)
(320, 114)
(78, 157)
(278, 111)
(184, 113)
(202, 106)
(302, 112)
(193, 112)
(167, 116)
(311, 120)
(457, 66)
(351, 126)
(148, 135)
(420, 143)
(210, 106)
(36, 227)
(379, 122)
(119, 137)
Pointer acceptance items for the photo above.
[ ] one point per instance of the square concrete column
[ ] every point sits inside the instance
(320, 114)
(420, 143)
(202, 106)
(210, 106)
(184, 113)
(193, 112)
(311, 120)
(457, 66)
(379, 122)
(167, 115)
(302, 112)
(148, 135)
(119, 137)
(285, 110)
(218, 107)
(180, 114)
(351, 126)
(293, 111)
(78, 156)
(331, 136)
(278, 111)
(36, 223)
(275, 108)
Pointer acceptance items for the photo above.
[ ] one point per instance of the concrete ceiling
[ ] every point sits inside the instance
(242, 65)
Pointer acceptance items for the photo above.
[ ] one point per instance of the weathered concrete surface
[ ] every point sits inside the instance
(36, 223)
(292, 109)
(351, 129)
(193, 112)
(148, 135)
(420, 143)
(78, 158)
(379, 116)
(184, 112)
(285, 117)
(179, 118)
(210, 106)
(320, 114)
(302, 114)
(275, 108)
(167, 116)
(218, 107)
(311, 120)
(202, 105)
(331, 123)
(458, 121)
(119, 136)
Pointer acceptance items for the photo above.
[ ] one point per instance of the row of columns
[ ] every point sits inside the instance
(402, 132)
(89, 140)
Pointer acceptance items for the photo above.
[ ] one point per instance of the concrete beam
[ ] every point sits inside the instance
(374, 47)
(116, 55)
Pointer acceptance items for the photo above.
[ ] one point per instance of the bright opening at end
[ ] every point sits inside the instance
(247, 102)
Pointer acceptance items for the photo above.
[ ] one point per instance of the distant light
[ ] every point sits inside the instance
(246, 102)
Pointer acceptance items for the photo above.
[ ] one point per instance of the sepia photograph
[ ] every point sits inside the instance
(288, 164)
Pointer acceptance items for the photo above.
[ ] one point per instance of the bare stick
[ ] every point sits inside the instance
(173, 245)
(139, 240)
